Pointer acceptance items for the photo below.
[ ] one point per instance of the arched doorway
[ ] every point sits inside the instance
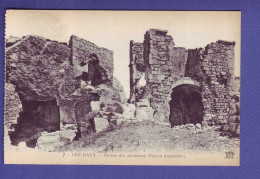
(186, 105)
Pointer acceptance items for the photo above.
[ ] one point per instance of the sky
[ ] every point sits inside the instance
(114, 29)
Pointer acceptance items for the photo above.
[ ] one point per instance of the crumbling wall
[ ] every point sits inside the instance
(166, 64)
(210, 69)
(137, 70)
(83, 51)
(43, 71)
(213, 67)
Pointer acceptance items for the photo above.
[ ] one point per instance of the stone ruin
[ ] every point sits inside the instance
(181, 85)
(58, 92)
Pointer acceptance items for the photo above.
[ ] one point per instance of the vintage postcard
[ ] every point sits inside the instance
(122, 87)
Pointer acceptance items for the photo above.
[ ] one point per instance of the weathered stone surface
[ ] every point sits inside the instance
(13, 107)
(198, 126)
(137, 68)
(129, 111)
(143, 103)
(11, 41)
(49, 141)
(83, 51)
(68, 134)
(144, 114)
(71, 76)
(37, 67)
(101, 124)
(119, 92)
(95, 105)
(162, 112)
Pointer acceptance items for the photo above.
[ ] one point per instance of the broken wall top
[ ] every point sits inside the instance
(82, 50)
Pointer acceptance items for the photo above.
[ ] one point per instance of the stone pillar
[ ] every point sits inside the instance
(166, 64)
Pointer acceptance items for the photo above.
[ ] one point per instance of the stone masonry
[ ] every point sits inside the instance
(209, 69)
(13, 107)
(82, 50)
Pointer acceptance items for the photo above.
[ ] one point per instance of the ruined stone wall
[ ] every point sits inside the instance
(213, 67)
(210, 69)
(13, 107)
(43, 71)
(137, 69)
(166, 64)
(82, 50)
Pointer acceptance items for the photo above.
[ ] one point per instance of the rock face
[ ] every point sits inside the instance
(11, 41)
(165, 67)
(37, 67)
(57, 86)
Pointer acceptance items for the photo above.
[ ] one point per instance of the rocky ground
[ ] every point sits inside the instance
(148, 136)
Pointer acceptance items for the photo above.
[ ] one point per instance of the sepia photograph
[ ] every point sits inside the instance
(92, 87)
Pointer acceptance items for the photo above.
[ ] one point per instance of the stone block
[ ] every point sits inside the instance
(204, 124)
(144, 113)
(95, 105)
(68, 134)
(101, 124)
(143, 103)
(129, 111)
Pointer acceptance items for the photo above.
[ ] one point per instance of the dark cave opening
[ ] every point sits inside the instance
(186, 105)
(36, 117)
